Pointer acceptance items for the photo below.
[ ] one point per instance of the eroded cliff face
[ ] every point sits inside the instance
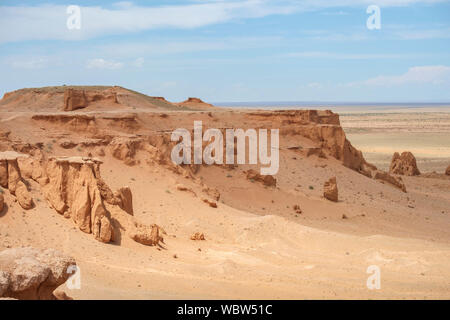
(73, 187)
(79, 98)
(127, 135)
(11, 178)
(73, 191)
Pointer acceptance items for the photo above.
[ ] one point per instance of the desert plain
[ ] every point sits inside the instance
(224, 231)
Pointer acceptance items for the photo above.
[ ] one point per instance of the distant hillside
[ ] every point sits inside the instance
(88, 98)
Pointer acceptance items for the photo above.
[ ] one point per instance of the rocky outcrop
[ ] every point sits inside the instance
(330, 190)
(404, 164)
(79, 98)
(147, 235)
(195, 103)
(447, 171)
(124, 148)
(32, 274)
(74, 99)
(198, 236)
(125, 199)
(387, 178)
(73, 191)
(74, 188)
(267, 180)
(11, 178)
(23, 196)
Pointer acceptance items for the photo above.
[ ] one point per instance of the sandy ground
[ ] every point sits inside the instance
(379, 133)
(257, 246)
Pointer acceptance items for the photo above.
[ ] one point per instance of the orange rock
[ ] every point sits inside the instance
(386, 177)
(125, 149)
(74, 99)
(212, 204)
(147, 235)
(73, 190)
(23, 196)
(11, 177)
(125, 199)
(267, 180)
(404, 164)
(102, 229)
(330, 190)
(198, 236)
(32, 274)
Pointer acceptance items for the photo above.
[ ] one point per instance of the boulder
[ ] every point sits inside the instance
(32, 274)
(404, 164)
(125, 199)
(198, 236)
(330, 190)
(386, 177)
(23, 196)
(447, 171)
(211, 203)
(267, 180)
(103, 230)
(147, 235)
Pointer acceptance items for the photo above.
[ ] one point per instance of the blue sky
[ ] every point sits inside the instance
(250, 50)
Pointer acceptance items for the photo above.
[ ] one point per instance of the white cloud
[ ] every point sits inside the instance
(314, 85)
(44, 22)
(103, 64)
(436, 75)
(138, 63)
(29, 63)
(443, 33)
(343, 56)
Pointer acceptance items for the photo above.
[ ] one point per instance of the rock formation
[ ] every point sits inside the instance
(198, 236)
(267, 180)
(79, 98)
(195, 103)
(32, 274)
(330, 190)
(404, 164)
(123, 148)
(11, 178)
(211, 203)
(125, 199)
(73, 191)
(447, 171)
(147, 235)
(386, 177)
(74, 99)
(74, 187)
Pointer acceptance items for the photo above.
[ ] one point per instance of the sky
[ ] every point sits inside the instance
(233, 51)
